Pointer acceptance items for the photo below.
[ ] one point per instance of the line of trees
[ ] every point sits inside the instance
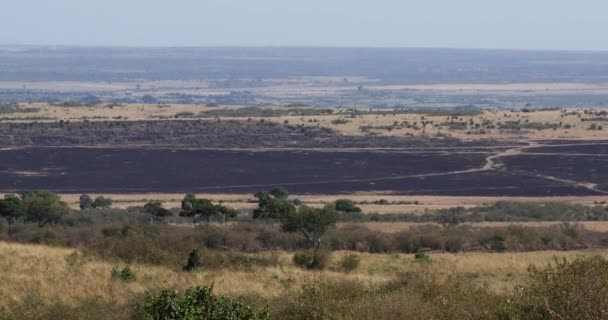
(274, 206)
(100, 202)
(41, 207)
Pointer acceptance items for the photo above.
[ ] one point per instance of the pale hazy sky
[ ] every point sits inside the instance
(516, 24)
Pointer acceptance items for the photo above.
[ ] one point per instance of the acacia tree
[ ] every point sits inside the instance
(272, 208)
(102, 202)
(45, 207)
(12, 208)
(85, 202)
(156, 211)
(312, 223)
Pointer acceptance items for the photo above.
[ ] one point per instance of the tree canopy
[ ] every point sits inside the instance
(271, 207)
(44, 207)
(102, 202)
(12, 208)
(85, 202)
(205, 209)
(312, 223)
(279, 193)
(156, 211)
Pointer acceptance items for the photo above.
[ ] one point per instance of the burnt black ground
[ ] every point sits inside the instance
(136, 170)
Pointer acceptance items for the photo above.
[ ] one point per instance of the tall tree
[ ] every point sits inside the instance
(204, 209)
(12, 208)
(85, 202)
(45, 207)
(312, 223)
(271, 207)
(156, 211)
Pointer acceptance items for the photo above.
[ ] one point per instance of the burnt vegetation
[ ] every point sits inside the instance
(216, 133)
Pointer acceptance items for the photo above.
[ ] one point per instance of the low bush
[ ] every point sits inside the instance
(196, 303)
(126, 274)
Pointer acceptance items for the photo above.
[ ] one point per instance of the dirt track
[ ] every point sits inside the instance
(467, 172)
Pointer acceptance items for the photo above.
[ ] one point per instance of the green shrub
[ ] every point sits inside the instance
(196, 303)
(350, 262)
(126, 274)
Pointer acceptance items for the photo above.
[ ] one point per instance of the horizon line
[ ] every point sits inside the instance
(5, 45)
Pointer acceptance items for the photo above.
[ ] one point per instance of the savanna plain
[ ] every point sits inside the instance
(239, 212)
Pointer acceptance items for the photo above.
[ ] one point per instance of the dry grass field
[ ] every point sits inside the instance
(571, 123)
(65, 275)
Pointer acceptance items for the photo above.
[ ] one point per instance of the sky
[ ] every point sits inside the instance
(509, 24)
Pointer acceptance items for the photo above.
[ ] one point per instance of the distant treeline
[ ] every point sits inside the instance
(502, 211)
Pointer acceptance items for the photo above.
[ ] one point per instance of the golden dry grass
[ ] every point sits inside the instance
(66, 275)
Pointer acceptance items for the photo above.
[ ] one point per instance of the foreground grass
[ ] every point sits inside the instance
(66, 276)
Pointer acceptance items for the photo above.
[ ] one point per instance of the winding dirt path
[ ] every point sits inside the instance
(492, 164)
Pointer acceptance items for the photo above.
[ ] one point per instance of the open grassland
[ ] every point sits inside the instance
(67, 276)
